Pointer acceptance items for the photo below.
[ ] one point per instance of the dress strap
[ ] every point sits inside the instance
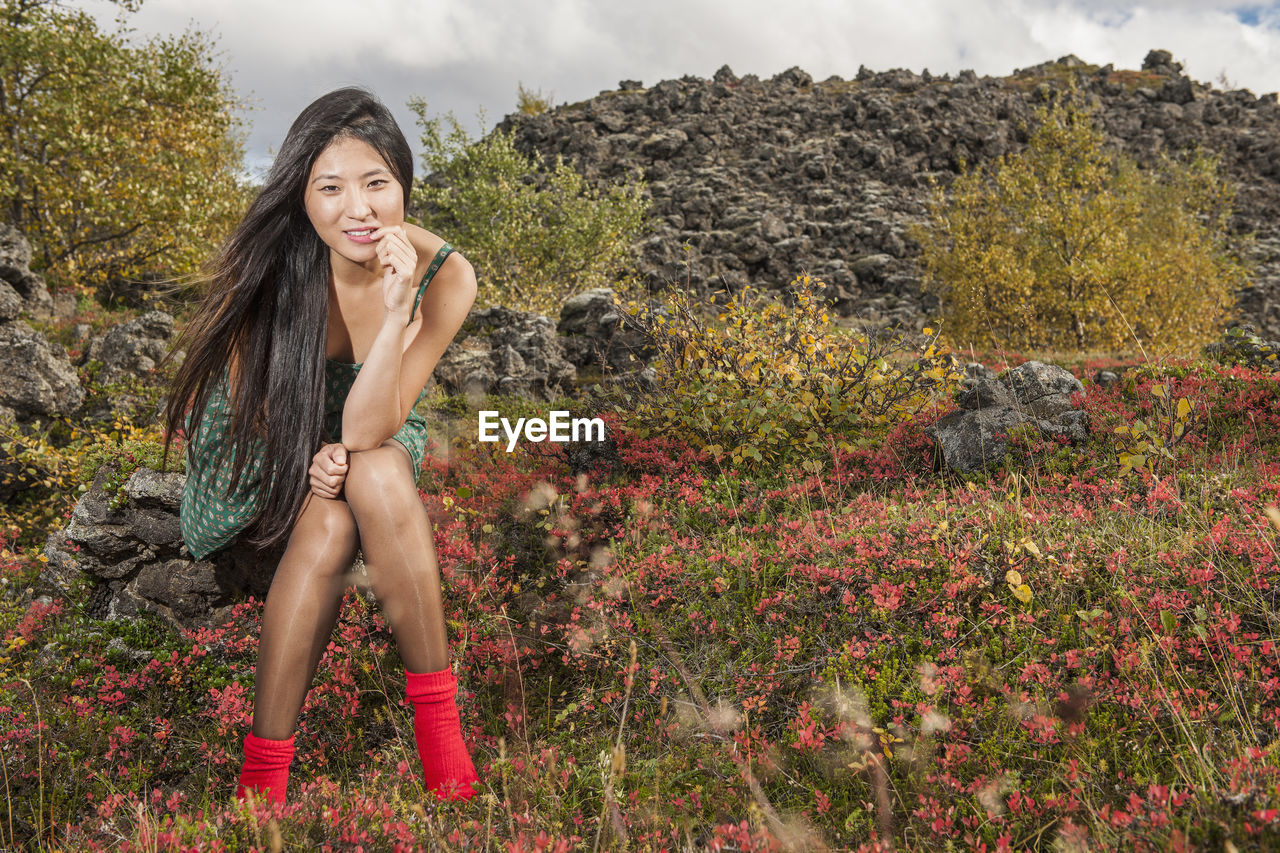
(444, 252)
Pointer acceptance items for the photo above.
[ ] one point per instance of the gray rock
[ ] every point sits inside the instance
(1074, 425)
(1042, 389)
(793, 76)
(1161, 62)
(132, 349)
(985, 394)
(134, 559)
(10, 302)
(501, 351)
(65, 304)
(724, 74)
(1242, 345)
(665, 144)
(36, 377)
(15, 270)
(1034, 393)
(974, 370)
(971, 440)
(1106, 378)
(594, 334)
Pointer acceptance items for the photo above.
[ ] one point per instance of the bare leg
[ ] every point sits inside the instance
(302, 607)
(395, 534)
(399, 552)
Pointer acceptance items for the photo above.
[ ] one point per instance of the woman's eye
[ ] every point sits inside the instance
(377, 183)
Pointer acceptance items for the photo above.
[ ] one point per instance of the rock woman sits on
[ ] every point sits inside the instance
(325, 315)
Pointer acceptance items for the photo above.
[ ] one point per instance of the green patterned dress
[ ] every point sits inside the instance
(211, 518)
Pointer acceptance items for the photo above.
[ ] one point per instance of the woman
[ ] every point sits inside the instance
(326, 315)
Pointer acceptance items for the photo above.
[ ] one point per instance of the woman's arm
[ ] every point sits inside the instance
(393, 374)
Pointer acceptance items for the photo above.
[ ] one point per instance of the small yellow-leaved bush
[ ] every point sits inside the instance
(768, 382)
(1070, 246)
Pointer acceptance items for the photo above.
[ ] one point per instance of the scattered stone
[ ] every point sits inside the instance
(36, 377)
(724, 75)
(127, 542)
(1105, 378)
(15, 270)
(1033, 393)
(1161, 62)
(132, 349)
(1242, 345)
(502, 351)
(65, 304)
(595, 335)
(10, 302)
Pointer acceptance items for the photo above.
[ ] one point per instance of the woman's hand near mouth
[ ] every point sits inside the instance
(399, 261)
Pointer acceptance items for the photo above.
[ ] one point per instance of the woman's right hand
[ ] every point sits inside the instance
(328, 470)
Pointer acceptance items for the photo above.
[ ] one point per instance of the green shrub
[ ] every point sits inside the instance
(769, 382)
(535, 237)
(116, 159)
(1068, 246)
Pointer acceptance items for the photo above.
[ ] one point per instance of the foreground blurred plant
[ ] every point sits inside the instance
(767, 381)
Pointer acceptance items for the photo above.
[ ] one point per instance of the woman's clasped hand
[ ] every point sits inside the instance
(328, 471)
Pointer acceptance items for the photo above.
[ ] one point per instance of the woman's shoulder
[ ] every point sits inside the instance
(427, 245)
(424, 242)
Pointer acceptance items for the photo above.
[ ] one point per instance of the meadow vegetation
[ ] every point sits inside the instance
(774, 622)
(842, 651)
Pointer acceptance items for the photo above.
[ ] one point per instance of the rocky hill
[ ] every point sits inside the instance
(766, 178)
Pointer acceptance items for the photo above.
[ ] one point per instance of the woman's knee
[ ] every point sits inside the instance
(327, 525)
(379, 475)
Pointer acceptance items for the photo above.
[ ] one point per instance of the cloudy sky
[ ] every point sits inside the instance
(471, 55)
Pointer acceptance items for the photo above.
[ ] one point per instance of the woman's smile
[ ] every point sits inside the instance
(364, 235)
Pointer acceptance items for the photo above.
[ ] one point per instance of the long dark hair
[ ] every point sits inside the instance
(266, 310)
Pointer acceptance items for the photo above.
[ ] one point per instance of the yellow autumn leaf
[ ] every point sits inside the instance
(1184, 408)
(1022, 592)
(1012, 577)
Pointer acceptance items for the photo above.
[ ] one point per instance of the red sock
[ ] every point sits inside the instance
(446, 764)
(266, 767)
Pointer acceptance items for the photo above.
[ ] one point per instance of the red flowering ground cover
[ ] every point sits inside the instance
(857, 652)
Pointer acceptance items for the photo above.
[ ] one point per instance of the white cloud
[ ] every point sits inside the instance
(462, 56)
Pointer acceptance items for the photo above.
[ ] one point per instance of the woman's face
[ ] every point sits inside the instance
(350, 193)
